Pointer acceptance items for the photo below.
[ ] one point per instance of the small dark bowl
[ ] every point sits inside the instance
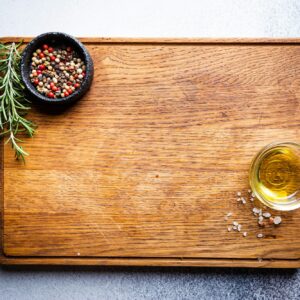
(56, 39)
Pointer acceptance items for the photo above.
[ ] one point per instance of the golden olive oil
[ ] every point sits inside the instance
(275, 176)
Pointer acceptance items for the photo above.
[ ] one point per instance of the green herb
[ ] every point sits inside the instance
(13, 103)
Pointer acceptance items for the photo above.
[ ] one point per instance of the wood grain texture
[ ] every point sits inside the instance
(143, 169)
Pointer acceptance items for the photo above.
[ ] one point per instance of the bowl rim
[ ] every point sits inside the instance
(25, 67)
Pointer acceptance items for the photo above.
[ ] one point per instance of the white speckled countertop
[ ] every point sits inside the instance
(152, 18)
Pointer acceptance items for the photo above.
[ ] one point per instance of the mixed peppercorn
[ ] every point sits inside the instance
(56, 72)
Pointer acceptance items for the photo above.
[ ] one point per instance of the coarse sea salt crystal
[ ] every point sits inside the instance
(277, 220)
(266, 215)
(255, 210)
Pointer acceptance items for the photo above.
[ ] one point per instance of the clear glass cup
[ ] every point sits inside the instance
(275, 176)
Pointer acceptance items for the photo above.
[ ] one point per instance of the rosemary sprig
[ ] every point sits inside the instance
(13, 103)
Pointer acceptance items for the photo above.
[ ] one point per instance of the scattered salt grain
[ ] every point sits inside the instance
(263, 218)
(267, 215)
(256, 210)
(277, 220)
(227, 216)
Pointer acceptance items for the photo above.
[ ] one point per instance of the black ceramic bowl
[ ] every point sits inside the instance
(56, 39)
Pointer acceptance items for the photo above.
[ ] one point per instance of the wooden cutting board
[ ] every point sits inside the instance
(143, 169)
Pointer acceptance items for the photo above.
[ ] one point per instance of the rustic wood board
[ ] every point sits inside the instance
(143, 169)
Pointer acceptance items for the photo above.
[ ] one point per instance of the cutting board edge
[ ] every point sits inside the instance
(151, 262)
(1, 200)
(159, 40)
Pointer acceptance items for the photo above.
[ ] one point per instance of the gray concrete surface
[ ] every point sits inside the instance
(156, 18)
(145, 283)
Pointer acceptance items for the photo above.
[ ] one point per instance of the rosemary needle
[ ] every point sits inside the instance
(13, 103)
